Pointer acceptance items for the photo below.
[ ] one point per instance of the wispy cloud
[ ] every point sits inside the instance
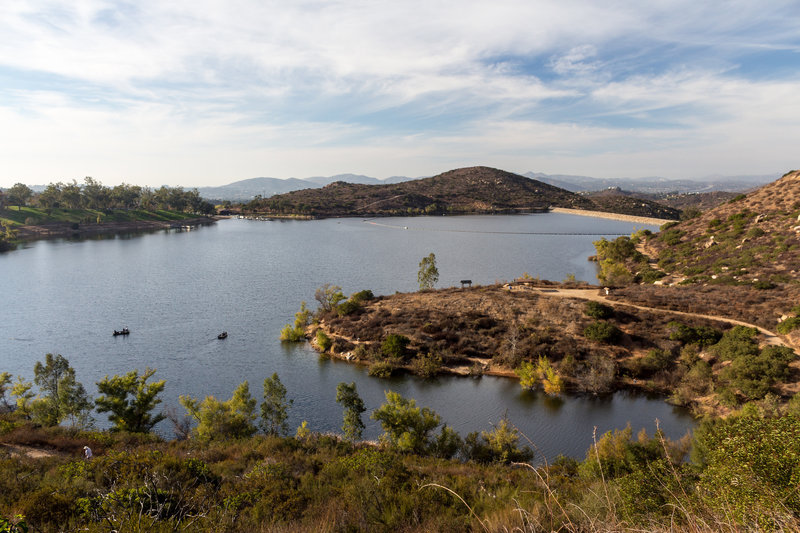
(208, 91)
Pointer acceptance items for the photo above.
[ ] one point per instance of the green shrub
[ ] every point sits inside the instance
(394, 346)
(427, 366)
(348, 308)
(597, 310)
(382, 369)
(737, 198)
(602, 331)
(362, 296)
(763, 285)
(671, 236)
(788, 325)
(323, 341)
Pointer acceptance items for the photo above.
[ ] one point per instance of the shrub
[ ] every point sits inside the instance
(602, 331)
(597, 310)
(763, 285)
(348, 308)
(427, 366)
(362, 296)
(656, 360)
(737, 198)
(788, 325)
(323, 341)
(394, 346)
(382, 369)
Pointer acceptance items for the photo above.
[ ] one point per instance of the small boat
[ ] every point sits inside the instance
(123, 331)
(223, 335)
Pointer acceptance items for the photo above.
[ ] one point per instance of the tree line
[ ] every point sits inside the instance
(55, 397)
(92, 194)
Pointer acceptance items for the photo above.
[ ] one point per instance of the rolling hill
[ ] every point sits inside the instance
(465, 190)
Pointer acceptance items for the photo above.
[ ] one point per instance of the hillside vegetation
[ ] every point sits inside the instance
(466, 190)
(736, 474)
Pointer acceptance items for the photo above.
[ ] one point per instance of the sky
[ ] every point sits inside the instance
(207, 92)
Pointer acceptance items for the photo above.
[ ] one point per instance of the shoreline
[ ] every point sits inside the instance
(612, 216)
(65, 229)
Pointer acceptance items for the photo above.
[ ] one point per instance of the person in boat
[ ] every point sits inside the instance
(223, 335)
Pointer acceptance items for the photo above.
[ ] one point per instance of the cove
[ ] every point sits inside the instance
(176, 291)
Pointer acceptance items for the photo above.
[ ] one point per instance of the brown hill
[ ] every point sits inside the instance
(465, 190)
(753, 238)
(616, 200)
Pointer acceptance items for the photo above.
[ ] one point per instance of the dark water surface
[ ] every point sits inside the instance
(177, 290)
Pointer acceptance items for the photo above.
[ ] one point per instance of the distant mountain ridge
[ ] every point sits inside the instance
(656, 184)
(245, 190)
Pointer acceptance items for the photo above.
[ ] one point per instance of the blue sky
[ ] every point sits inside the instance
(206, 92)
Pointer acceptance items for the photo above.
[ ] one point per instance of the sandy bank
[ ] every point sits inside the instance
(612, 216)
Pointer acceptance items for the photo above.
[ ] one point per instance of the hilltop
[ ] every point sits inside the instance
(460, 191)
(753, 237)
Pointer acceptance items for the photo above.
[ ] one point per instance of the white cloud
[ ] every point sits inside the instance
(204, 91)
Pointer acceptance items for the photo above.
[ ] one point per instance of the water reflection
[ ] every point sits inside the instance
(177, 291)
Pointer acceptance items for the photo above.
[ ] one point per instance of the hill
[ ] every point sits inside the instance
(618, 201)
(752, 238)
(465, 190)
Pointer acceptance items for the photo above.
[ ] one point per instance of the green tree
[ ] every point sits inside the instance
(5, 382)
(329, 296)
(503, 443)
(297, 332)
(60, 397)
(347, 395)
(528, 377)
(19, 194)
(216, 419)
(275, 407)
(406, 426)
(130, 400)
(428, 274)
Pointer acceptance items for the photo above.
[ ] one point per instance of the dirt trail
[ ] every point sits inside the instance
(33, 453)
(592, 294)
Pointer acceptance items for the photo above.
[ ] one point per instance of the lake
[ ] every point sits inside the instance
(176, 290)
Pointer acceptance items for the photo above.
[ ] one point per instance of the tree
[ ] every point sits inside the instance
(19, 194)
(298, 332)
(353, 405)
(527, 374)
(215, 419)
(275, 408)
(61, 397)
(503, 442)
(329, 296)
(50, 197)
(406, 426)
(5, 381)
(130, 400)
(428, 274)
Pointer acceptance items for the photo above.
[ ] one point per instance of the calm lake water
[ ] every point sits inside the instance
(177, 290)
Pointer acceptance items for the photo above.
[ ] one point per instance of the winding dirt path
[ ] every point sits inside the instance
(592, 294)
